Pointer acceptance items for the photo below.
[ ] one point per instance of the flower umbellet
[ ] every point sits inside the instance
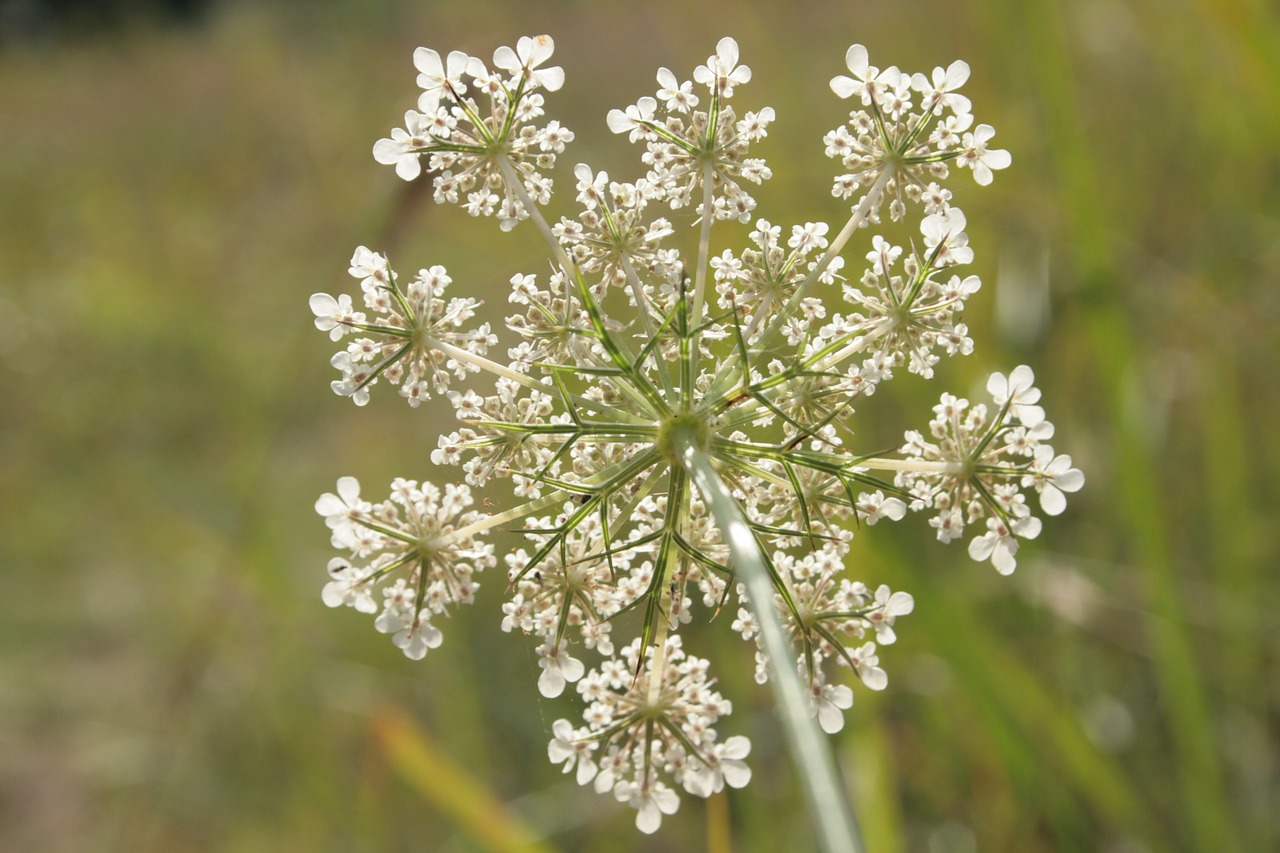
(645, 380)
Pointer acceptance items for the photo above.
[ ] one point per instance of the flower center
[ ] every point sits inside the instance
(682, 430)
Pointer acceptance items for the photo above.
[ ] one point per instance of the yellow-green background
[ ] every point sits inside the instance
(169, 679)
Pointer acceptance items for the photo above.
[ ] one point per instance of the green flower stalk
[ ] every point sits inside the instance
(676, 429)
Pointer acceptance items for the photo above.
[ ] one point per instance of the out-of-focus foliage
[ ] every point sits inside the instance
(169, 679)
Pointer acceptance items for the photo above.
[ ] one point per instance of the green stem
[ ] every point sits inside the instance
(704, 242)
(829, 805)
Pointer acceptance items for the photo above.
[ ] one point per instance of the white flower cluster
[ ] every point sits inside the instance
(420, 537)
(891, 135)
(611, 235)
(759, 281)
(639, 730)
(908, 316)
(687, 148)
(462, 142)
(631, 385)
(835, 613)
(411, 337)
(982, 465)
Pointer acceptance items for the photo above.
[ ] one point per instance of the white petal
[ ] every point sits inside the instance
(981, 547)
(668, 801)
(843, 86)
(551, 682)
(997, 159)
(328, 504)
(428, 62)
(458, 62)
(648, 819)
(619, 122)
(537, 50)
(572, 669)
(957, 74)
(387, 152)
(727, 50)
(1071, 480)
(998, 387)
(736, 747)
(856, 59)
(334, 593)
(408, 167)
(1030, 415)
(506, 59)
(873, 677)
(1052, 501)
(323, 305)
(736, 774)
(349, 489)
(700, 783)
(900, 604)
(1004, 561)
(1022, 378)
(830, 718)
(1028, 528)
(551, 79)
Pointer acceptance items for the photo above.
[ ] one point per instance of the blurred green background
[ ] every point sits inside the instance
(171, 194)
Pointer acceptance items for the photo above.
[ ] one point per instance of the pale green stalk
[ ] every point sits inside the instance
(859, 216)
(704, 243)
(870, 201)
(828, 802)
(535, 215)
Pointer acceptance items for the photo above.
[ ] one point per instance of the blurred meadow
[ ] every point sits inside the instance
(171, 193)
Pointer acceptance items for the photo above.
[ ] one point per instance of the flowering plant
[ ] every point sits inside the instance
(675, 428)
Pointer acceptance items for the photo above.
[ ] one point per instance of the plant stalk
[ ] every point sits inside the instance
(828, 801)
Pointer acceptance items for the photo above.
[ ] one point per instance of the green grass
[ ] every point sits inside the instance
(169, 679)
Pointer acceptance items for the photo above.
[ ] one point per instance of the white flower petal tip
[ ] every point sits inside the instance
(857, 59)
(844, 87)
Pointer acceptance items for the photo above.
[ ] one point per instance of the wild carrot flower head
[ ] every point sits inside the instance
(648, 362)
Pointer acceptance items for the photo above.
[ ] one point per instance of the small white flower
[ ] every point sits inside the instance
(866, 77)
(403, 148)
(889, 606)
(443, 79)
(723, 70)
(866, 663)
(417, 638)
(635, 119)
(944, 233)
(978, 157)
(572, 748)
(875, 506)
(724, 765)
(1019, 391)
(830, 701)
(999, 542)
(335, 316)
(1051, 476)
(531, 52)
(939, 92)
(678, 96)
(558, 668)
(651, 800)
(349, 587)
